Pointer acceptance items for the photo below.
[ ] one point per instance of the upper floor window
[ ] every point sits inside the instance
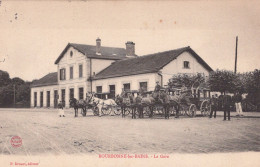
(71, 72)
(63, 74)
(80, 70)
(71, 53)
(186, 64)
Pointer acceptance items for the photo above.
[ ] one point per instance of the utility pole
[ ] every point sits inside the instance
(236, 56)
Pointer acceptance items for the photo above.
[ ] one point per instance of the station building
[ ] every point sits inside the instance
(109, 70)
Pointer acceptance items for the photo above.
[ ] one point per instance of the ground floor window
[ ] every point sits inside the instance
(127, 87)
(81, 93)
(35, 99)
(99, 92)
(48, 99)
(112, 91)
(63, 96)
(41, 99)
(143, 86)
(71, 93)
(56, 97)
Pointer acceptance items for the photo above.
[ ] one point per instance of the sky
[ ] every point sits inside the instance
(34, 33)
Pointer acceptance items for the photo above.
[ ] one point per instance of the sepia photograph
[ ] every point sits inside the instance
(129, 83)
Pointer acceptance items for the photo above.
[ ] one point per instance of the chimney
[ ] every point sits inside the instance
(130, 49)
(98, 46)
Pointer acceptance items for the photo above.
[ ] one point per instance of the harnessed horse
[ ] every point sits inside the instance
(76, 104)
(101, 102)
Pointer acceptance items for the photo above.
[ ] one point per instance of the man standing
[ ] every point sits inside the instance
(214, 105)
(226, 103)
(238, 100)
(157, 87)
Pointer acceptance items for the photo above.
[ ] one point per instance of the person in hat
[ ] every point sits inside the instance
(61, 111)
(157, 87)
(238, 100)
(214, 105)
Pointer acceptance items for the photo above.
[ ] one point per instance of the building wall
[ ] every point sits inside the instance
(176, 67)
(77, 82)
(43, 89)
(134, 80)
(100, 64)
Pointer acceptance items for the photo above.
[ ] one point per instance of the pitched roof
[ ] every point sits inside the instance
(111, 53)
(146, 64)
(49, 79)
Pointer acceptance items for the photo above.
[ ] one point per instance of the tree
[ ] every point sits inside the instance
(23, 92)
(187, 80)
(4, 78)
(223, 81)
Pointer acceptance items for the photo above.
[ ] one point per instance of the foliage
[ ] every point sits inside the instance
(187, 80)
(223, 81)
(4, 78)
(10, 86)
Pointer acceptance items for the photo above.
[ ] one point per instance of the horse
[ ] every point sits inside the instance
(76, 104)
(123, 101)
(101, 102)
(167, 101)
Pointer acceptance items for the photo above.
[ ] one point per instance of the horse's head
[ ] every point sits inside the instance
(73, 101)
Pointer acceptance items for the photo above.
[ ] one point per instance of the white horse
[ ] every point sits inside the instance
(101, 102)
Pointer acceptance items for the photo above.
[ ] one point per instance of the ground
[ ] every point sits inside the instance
(43, 132)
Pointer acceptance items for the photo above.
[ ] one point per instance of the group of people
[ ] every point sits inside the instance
(224, 102)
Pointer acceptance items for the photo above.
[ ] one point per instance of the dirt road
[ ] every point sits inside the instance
(43, 132)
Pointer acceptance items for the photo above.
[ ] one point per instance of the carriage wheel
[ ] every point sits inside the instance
(117, 110)
(192, 110)
(95, 111)
(205, 108)
(106, 110)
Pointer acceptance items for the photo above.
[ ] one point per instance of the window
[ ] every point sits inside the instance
(71, 53)
(41, 99)
(63, 96)
(63, 74)
(99, 89)
(80, 71)
(127, 87)
(112, 90)
(71, 72)
(143, 86)
(71, 93)
(81, 92)
(48, 98)
(56, 97)
(35, 99)
(186, 64)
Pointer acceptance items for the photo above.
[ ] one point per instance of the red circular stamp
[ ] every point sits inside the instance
(16, 141)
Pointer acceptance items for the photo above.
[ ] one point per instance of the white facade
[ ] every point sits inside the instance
(133, 80)
(72, 59)
(177, 67)
(44, 90)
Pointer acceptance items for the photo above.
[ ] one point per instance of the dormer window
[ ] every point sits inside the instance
(71, 53)
(186, 64)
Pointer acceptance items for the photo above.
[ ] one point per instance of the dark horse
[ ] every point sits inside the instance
(124, 102)
(129, 101)
(76, 104)
(167, 101)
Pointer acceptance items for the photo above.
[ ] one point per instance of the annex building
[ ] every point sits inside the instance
(109, 70)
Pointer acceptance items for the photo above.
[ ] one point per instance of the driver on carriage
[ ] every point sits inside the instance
(184, 94)
(157, 91)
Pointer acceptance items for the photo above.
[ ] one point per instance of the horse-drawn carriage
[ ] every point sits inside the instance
(193, 100)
